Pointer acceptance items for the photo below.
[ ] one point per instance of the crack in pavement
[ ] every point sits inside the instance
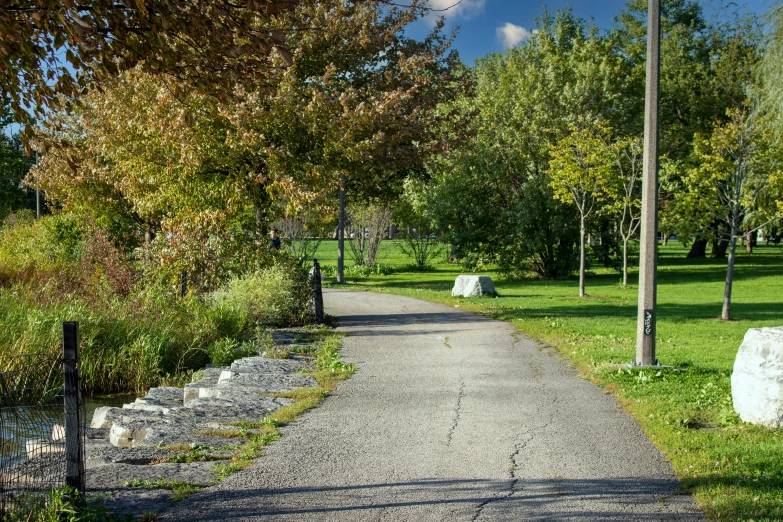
(460, 395)
(513, 480)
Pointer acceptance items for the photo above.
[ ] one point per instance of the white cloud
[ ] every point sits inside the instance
(454, 8)
(511, 35)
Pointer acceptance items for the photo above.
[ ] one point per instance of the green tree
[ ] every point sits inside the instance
(706, 66)
(581, 173)
(770, 93)
(736, 163)
(421, 239)
(493, 195)
(628, 155)
(14, 164)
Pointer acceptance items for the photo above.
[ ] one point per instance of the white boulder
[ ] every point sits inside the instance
(757, 380)
(473, 286)
(126, 436)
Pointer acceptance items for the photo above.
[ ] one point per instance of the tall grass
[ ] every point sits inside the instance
(127, 345)
(136, 332)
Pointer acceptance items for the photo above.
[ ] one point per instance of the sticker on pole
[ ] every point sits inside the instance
(649, 319)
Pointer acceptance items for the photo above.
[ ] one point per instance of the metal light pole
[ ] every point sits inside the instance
(341, 234)
(648, 259)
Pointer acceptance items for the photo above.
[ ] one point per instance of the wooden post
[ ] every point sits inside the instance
(319, 298)
(74, 450)
(183, 283)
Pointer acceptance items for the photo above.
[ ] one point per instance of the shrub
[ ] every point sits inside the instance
(227, 350)
(366, 270)
(275, 296)
(43, 251)
(211, 258)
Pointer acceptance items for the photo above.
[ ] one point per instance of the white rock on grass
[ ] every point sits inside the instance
(757, 381)
(473, 286)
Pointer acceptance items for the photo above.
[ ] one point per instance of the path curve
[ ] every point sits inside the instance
(453, 417)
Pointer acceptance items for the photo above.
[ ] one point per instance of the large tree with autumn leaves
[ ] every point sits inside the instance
(355, 97)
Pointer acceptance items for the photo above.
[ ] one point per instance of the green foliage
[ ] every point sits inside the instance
(770, 95)
(370, 225)
(491, 194)
(421, 238)
(366, 270)
(275, 296)
(210, 258)
(180, 490)
(580, 168)
(59, 505)
(227, 350)
(706, 67)
(14, 165)
(329, 357)
(736, 165)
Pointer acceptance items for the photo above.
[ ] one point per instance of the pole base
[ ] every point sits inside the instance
(657, 366)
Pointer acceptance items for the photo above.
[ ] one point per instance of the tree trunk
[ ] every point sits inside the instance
(723, 245)
(726, 314)
(341, 234)
(698, 249)
(665, 239)
(582, 258)
(750, 241)
(625, 262)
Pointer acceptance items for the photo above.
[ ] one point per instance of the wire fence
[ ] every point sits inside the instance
(33, 417)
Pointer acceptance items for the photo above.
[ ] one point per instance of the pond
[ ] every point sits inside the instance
(20, 426)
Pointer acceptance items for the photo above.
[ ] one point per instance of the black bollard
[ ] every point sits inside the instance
(74, 449)
(318, 295)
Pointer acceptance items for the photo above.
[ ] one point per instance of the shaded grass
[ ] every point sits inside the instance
(734, 470)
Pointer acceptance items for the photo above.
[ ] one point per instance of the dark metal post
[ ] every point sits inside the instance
(37, 195)
(74, 451)
(341, 234)
(319, 298)
(183, 283)
(648, 258)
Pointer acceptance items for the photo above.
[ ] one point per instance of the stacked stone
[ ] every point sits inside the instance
(167, 416)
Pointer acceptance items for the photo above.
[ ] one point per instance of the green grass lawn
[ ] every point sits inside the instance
(734, 470)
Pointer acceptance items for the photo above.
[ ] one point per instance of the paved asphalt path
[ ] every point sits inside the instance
(451, 416)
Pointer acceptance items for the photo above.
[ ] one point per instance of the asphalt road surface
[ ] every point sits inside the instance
(451, 416)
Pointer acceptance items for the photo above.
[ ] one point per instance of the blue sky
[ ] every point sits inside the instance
(488, 26)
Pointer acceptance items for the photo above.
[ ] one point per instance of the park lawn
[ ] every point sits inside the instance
(734, 470)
